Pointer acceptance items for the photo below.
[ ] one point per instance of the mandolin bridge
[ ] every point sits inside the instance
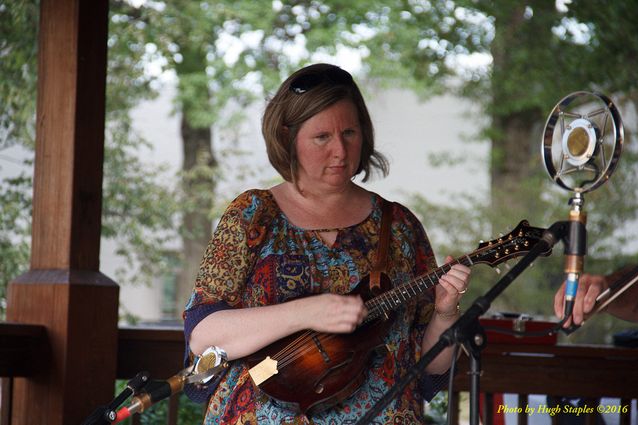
(324, 355)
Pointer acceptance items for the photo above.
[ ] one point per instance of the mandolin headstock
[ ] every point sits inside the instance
(516, 243)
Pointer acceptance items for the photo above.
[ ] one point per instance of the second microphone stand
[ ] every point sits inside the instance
(468, 332)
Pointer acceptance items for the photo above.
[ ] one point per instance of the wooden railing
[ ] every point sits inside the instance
(158, 351)
(584, 371)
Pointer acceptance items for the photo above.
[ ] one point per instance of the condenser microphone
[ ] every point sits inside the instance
(575, 251)
(582, 141)
(581, 147)
(210, 363)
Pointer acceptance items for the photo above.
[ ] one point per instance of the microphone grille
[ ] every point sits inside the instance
(579, 142)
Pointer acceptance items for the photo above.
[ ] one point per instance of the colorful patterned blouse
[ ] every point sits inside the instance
(257, 257)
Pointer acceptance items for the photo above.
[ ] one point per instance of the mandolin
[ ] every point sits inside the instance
(310, 371)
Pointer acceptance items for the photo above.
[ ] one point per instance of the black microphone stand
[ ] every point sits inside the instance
(468, 331)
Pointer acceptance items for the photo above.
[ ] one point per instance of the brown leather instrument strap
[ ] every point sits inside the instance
(381, 260)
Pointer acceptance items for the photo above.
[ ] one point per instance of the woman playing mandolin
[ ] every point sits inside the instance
(283, 284)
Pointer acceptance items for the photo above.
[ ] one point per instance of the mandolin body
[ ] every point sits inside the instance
(325, 368)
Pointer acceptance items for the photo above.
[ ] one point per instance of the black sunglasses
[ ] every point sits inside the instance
(335, 75)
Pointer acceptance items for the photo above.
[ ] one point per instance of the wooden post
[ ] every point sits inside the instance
(64, 290)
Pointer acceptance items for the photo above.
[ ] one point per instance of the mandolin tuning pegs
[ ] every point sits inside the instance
(507, 266)
(497, 270)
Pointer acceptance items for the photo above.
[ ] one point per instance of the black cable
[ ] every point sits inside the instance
(450, 385)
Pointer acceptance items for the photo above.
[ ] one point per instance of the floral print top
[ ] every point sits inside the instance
(257, 257)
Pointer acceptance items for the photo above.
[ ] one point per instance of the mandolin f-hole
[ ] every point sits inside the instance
(318, 385)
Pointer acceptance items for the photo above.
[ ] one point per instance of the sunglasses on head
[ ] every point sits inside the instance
(335, 75)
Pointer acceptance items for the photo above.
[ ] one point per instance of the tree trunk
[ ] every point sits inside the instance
(514, 162)
(198, 182)
(516, 128)
(198, 187)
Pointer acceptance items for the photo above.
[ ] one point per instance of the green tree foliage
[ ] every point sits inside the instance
(15, 230)
(540, 54)
(139, 210)
(18, 64)
(18, 68)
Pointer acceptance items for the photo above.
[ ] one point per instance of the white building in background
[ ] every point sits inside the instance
(407, 132)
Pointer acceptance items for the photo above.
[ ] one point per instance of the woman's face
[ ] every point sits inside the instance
(329, 148)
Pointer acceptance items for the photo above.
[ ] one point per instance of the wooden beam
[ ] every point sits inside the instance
(21, 347)
(64, 290)
(70, 135)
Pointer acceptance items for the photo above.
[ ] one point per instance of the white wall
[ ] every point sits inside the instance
(409, 130)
